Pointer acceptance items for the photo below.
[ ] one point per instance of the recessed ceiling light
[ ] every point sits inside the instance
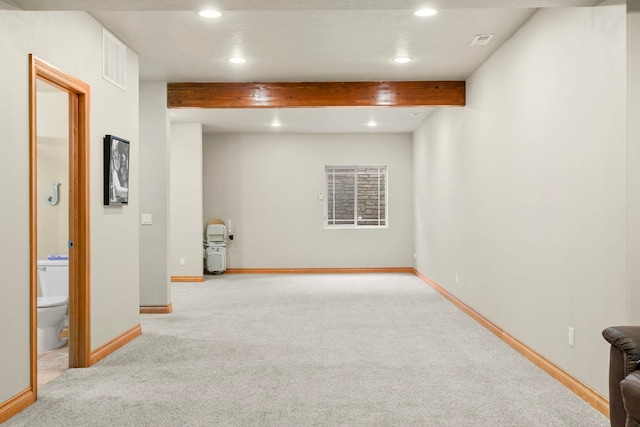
(276, 124)
(209, 13)
(425, 12)
(237, 60)
(402, 59)
(372, 123)
(416, 114)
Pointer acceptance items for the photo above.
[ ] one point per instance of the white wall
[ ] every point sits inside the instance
(185, 200)
(633, 99)
(523, 192)
(71, 41)
(53, 166)
(154, 194)
(268, 185)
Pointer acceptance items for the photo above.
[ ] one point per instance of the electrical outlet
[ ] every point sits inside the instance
(146, 219)
(571, 337)
(182, 261)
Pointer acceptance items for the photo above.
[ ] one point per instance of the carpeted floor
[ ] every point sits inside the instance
(310, 350)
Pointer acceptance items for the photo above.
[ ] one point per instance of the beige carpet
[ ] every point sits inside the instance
(310, 350)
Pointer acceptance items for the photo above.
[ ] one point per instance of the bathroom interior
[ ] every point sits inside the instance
(52, 230)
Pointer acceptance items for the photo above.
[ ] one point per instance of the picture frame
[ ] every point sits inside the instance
(116, 171)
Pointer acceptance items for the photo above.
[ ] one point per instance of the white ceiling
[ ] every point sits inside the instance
(311, 40)
(304, 120)
(317, 45)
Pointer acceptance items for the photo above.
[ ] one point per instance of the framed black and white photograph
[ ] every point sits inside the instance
(116, 171)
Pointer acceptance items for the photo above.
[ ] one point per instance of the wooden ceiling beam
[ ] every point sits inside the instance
(316, 94)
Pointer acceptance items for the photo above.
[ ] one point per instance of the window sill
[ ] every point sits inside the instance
(355, 227)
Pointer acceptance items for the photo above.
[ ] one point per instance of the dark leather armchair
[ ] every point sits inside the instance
(624, 375)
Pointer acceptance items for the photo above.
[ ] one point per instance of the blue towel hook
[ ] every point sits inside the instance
(53, 199)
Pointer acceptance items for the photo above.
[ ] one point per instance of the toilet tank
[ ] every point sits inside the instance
(53, 276)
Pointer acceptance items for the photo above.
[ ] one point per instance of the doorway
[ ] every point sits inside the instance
(78, 94)
(52, 118)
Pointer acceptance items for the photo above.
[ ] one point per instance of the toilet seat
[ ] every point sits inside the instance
(44, 302)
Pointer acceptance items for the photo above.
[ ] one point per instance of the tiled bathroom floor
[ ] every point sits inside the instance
(52, 363)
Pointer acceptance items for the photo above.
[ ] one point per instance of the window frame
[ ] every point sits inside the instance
(383, 170)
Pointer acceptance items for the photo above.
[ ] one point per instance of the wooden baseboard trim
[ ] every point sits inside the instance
(16, 404)
(583, 391)
(409, 270)
(586, 393)
(106, 349)
(156, 309)
(187, 278)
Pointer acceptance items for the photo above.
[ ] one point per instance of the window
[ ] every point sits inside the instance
(356, 196)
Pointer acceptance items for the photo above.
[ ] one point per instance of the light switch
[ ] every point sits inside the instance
(146, 219)
(320, 196)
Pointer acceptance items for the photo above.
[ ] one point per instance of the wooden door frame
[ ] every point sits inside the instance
(79, 233)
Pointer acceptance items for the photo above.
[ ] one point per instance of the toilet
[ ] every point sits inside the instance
(53, 275)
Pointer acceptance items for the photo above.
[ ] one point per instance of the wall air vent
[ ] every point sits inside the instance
(481, 39)
(114, 60)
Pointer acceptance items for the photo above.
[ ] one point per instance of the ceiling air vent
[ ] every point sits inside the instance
(481, 39)
(114, 60)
